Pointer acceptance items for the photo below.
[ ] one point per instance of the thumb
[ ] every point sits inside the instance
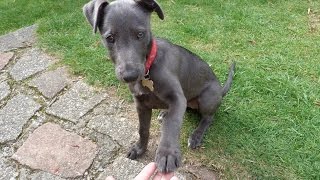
(110, 178)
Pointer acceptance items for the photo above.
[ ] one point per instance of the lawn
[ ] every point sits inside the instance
(268, 126)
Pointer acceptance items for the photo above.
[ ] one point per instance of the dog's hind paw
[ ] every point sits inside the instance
(135, 152)
(168, 159)
(194, 141)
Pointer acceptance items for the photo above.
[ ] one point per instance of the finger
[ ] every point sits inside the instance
(157, 176)
(110, 178)
(162, 176)
(174, 178)
(167, 176)
(146, 172)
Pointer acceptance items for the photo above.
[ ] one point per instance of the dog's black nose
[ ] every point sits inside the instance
(130, 76)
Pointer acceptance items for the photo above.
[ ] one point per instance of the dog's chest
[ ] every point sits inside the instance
(146, 96)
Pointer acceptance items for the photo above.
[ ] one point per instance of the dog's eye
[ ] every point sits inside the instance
(110, 38)
(140, 35)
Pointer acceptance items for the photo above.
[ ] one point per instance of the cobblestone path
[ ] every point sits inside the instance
(55, 126)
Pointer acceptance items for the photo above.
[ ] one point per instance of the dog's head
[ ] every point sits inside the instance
(124, 26)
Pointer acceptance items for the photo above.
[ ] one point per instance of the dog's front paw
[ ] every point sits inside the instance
(135, 151)
(168, 159)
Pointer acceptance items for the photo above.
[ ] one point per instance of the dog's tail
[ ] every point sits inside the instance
(228, 83)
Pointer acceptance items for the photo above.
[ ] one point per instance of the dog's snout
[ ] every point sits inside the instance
(130, 76)
(129, 72)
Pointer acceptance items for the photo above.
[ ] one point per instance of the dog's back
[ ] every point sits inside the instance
(194, 74)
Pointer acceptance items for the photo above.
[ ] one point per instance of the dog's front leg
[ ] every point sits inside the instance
(168, 156)
(144, 114)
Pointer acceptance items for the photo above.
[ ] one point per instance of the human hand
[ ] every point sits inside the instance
(148, 171)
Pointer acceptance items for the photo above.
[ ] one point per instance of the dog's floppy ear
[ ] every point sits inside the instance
(151, 5)
(93, 11)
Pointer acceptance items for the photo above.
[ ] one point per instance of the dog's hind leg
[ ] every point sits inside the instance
(209, 101)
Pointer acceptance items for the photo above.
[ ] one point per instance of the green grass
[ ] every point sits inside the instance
(268, 126)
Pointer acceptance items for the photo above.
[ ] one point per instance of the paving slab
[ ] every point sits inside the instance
(122, 169)
(5, 58)
(80, 99)
(107, 150)
(4, 90)
(6, 171)
(14, 115)
(52, 82)
(44, 176)
(28, 174)
(52, 149)
(30, 63)
(3, 76)
(120, 129)
(23, 37)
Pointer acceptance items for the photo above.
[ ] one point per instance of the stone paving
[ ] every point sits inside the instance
(55, 126)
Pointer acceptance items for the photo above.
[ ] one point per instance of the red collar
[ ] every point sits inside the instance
(151, 56)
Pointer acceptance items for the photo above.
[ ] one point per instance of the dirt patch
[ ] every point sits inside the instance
(314, 20)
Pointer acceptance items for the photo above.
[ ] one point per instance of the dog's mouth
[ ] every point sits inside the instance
(131, 79)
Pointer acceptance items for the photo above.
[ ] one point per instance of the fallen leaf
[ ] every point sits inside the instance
(253, 42)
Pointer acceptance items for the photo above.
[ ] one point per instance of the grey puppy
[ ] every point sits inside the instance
(177, 78)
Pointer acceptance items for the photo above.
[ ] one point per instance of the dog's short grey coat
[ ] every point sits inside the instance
(180, 77)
